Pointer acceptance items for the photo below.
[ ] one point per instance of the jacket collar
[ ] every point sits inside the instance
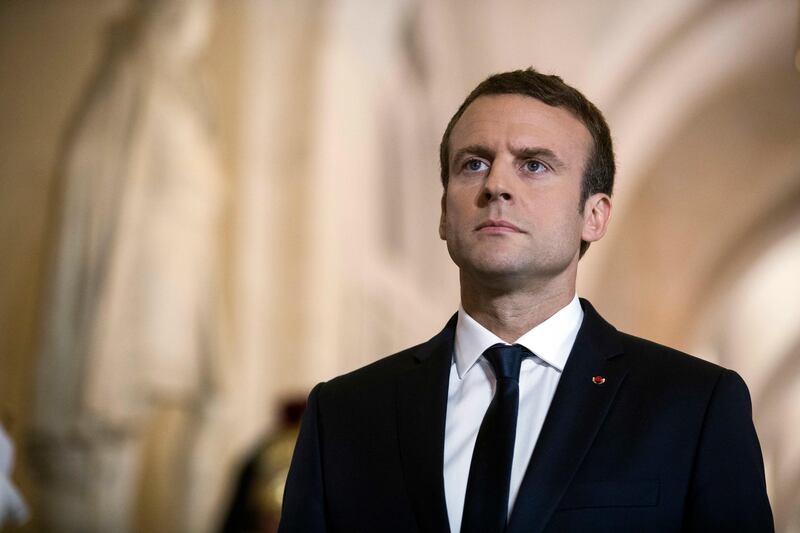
(422, 406)
(576, 414)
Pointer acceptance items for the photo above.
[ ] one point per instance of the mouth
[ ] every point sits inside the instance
(497, 226)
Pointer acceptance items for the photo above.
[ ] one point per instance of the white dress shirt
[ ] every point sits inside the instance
(472, 385)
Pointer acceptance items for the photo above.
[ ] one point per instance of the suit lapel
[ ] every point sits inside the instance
(575, 416)
(421, 411)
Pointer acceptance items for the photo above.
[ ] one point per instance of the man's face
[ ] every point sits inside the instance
(511, 211)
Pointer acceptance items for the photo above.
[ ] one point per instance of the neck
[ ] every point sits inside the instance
(509, 314)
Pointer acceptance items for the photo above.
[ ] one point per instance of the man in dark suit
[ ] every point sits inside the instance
(528, 412)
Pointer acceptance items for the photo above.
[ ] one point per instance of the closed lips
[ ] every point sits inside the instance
(498, 225)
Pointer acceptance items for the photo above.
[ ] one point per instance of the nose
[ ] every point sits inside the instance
(496, 187)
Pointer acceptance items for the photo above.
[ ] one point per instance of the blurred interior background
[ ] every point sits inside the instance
(206, 208)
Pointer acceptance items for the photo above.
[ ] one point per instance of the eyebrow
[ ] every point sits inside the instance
(525, 152)
(538, 153)
(473, 149)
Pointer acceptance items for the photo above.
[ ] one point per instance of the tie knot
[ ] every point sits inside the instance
(505, 360)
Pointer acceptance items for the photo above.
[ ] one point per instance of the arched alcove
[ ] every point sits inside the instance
(734, 160)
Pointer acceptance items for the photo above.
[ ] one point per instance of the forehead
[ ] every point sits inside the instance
(521, 121)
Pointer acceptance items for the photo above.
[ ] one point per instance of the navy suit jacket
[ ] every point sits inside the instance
(666, 443)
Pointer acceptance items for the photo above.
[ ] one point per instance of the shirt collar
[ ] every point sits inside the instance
(551, 341)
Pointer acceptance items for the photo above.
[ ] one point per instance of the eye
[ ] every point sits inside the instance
(475, 165)
(535, 166)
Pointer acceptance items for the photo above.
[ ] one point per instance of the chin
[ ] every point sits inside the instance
(499, 262)
(510, 272)
(495, 269)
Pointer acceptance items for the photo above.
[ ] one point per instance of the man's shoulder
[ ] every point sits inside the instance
(645, 355)
(379, 377)
(386, 367)
(663, 364)
(662, 354)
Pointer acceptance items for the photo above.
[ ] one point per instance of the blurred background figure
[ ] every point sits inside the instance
(12, 506)
(256, 500)
(131, 343)
(190, 273)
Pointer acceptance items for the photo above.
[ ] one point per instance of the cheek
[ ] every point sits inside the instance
(560, 221)
(453, 210)
(573, 228)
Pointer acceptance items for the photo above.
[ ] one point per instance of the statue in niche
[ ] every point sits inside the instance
(132, 335)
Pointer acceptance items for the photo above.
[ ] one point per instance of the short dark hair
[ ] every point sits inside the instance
(598, 174)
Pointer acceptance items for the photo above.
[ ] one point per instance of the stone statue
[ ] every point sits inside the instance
(132, 324)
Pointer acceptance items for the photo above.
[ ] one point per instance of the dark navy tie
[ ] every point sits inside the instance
(486, 500)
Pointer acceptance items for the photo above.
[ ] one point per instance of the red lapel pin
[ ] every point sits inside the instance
(598, 380)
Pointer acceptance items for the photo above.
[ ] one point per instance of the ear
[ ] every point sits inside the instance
(442, 217)
(596, 215)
